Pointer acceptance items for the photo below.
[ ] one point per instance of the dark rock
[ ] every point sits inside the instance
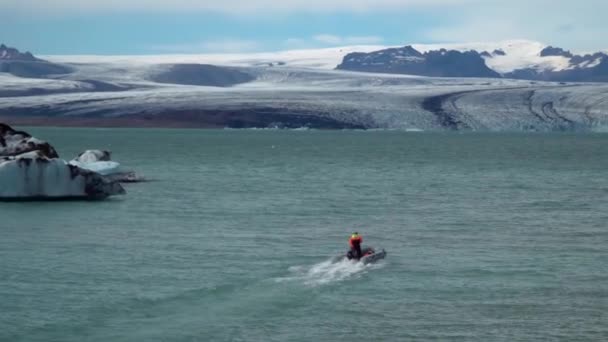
(407, 60)
(555, 51)
(451, 63)
(577, 60)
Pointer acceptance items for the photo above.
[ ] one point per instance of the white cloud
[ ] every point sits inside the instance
(226, 6)
(295, 43)
(243, 45)
(364, 40)
(330, 39)
(579, 25)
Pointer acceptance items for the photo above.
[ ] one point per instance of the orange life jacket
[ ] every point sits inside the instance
(355, 240)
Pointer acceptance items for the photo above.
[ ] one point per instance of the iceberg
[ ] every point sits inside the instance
(30, 169)
(33, 176)
(101, 162)
(90, 156)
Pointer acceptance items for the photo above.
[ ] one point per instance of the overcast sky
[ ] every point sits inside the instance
(191, 26)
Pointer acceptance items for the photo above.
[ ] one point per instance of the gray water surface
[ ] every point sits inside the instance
(490, 237)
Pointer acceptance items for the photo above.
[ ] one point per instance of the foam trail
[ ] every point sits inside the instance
(327, 272)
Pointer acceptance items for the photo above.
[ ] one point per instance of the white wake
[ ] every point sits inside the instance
(327, 272)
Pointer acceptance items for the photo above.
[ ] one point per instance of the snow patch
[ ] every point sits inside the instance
(519, 54)
(327, 58)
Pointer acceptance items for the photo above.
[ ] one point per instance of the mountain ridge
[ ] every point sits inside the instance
(547, 64)
(25, 65)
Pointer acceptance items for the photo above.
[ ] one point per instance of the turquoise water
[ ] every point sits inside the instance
(490, 237)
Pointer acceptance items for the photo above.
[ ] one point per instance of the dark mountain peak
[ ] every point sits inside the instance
(12, 54)
(598, 57)
(406, 51)
(555, 51)
(411, 51)
(485, 54)
(24, 64)
(445, 52)
(408, 60)
(499, 52)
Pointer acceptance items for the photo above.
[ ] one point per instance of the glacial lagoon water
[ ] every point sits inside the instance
(490, 237)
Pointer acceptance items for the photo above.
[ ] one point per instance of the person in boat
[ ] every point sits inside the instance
(355, 245)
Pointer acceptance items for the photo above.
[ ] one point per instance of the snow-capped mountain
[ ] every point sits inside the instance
(519, 59)
(407, 60)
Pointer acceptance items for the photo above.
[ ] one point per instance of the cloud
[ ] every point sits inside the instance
(572, 25)
(295, 42)
(327, 39)
(244, 45)
(330, 39)
(226, 6)
(577, 25)
(220, 45)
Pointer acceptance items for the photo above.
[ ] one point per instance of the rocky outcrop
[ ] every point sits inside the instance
(407, 60)
(553, 64)
(555, 51)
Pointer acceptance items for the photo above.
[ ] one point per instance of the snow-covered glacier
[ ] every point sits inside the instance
(298, 89)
